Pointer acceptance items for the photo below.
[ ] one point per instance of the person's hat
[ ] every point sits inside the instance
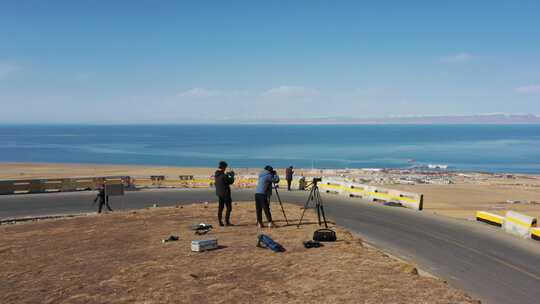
(291, 167)
(223, 165)
(268, 168)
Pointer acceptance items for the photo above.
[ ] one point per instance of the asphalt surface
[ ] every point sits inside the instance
(482, 260)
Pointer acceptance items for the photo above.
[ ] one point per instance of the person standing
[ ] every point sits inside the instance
(289, 176)
(262, 195)
(103, 199)
(223, 181)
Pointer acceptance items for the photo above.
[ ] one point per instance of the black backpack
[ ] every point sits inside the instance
(324, 235)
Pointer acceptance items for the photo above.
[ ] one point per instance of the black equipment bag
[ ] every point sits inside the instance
(312, 244)
(324, 235)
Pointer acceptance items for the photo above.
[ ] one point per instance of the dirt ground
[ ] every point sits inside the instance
(119, 258)
(463, 200)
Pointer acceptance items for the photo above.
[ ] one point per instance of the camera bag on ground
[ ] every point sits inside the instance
(324, 235)
(312, 244)
(264, 241)
(201, 228)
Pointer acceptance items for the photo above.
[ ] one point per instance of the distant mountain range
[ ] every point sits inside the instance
(427, 119)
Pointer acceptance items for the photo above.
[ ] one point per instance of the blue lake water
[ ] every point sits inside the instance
(493, 148)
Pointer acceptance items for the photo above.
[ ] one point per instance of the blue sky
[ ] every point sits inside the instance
(180, 61)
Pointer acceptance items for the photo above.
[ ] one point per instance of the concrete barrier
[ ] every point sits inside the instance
(358, 190)
(406, 199)
(373, 193)
(490, 218)
(58, 184)
(6, 187)
(514, 223)
(535, 234)
(519, 224)
(333, 186)
(196, 182)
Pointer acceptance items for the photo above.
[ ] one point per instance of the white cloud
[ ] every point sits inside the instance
(291, 92)
(6, 69)
(456, 58)
(528, 89)
(198, 93)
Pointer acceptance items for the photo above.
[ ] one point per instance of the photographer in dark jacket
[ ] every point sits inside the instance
(223, 182)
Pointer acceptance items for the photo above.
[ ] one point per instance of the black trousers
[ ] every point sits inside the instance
(104, 202)
(289, 181)
(225, 201)
(262, 202)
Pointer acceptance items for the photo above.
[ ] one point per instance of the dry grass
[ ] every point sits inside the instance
(119, 258)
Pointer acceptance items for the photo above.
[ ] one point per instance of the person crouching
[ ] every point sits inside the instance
(262, 195)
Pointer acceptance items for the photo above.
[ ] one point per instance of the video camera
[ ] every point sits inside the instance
(317, 179)
(230, 175)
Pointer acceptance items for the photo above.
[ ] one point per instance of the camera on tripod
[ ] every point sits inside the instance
(315, 196)
(274, 180)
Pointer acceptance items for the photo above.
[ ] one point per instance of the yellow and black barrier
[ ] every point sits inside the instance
(490, 218)
(513, 222)
(377, 194)
(535, 234)
(519, 224)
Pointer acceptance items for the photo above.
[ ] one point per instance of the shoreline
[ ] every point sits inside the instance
(4, 164)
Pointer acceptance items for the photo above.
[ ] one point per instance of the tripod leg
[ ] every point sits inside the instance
(318, 206)
(281, 204)
(320, 202)
(310, 197)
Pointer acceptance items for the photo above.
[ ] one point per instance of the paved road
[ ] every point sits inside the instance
(487, 263)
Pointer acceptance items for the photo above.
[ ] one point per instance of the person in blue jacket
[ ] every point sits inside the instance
(262, 195)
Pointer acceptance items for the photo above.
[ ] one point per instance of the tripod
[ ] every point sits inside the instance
(276, 186)
(315, 195)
